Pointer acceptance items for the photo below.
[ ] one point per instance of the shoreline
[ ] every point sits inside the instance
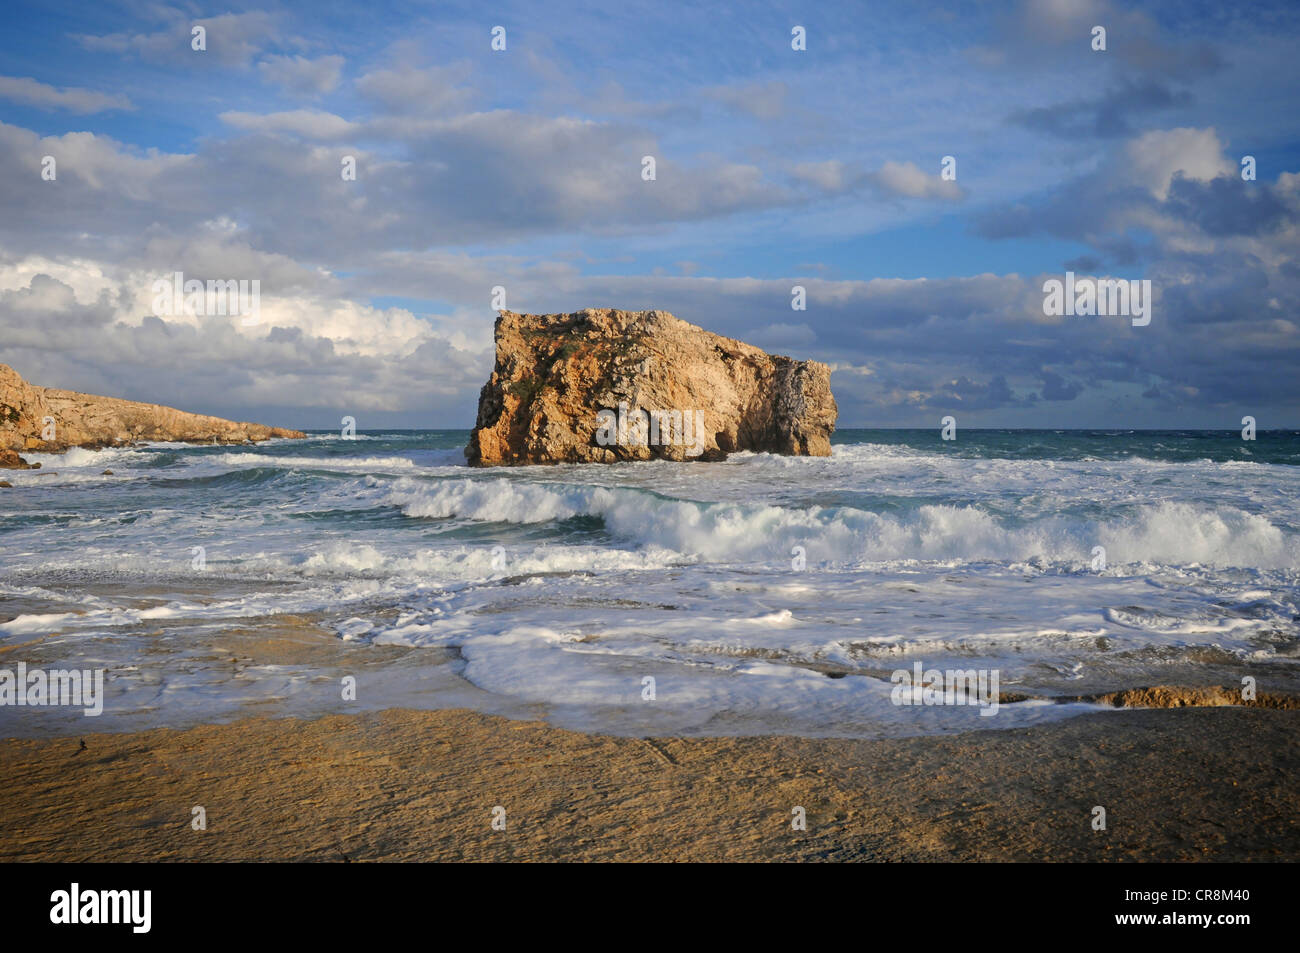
(1178, 784)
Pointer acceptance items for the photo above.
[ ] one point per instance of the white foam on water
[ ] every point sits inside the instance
(1165, 533)
(561, 588)
(78, 457)
(364, 464)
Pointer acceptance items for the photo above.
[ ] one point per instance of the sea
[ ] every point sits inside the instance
(762, 594)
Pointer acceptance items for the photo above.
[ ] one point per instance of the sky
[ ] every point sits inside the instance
(523, 168)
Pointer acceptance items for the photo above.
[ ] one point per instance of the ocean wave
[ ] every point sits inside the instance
(470, 563)
(1165, 533)
(313, 463)
(78, 457)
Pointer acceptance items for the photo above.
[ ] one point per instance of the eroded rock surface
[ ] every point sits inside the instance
(601, 385)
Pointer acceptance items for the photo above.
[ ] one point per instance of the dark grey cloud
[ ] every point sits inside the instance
(1108, 116)
(1056, 387)
(1228, 205)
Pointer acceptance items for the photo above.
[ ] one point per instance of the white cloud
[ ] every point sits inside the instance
(406, 89)
(831, 175)
(1153, 158)
(905, 179)
(83, 158)
(29, 92)
(302, 75)
(307, 123)
(232, 39)
(760, 100)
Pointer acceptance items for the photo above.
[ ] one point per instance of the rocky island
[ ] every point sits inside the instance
(602, 386)
(47, 420)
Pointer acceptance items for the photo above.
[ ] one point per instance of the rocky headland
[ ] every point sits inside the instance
(46, 420)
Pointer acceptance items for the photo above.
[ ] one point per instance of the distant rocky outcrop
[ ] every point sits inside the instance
(601, 386)
(83, 420)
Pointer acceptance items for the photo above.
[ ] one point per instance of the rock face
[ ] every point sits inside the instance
(82, 420)
(9, 460)
(601, 386)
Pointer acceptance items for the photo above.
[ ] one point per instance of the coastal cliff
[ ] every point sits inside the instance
(47, 420)
(602, 386)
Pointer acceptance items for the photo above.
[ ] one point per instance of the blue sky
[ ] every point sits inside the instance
(775, 167)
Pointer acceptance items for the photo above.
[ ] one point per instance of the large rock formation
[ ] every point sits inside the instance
(82, 420)
(602, 386)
